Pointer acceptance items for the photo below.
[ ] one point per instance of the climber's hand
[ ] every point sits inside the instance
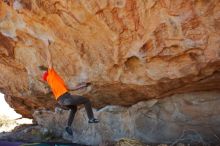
(88, 84)
(80, 86)
(49, 42)
(84, 84)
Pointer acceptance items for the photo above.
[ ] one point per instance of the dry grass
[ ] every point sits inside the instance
(4, 121)
(129, 142)
(7, 124)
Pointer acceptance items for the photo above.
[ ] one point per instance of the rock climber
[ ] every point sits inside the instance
(62, 96)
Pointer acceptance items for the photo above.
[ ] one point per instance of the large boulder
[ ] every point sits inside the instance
(187, 118)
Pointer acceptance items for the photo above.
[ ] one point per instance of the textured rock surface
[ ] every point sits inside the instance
(130, 50)
(192, 117)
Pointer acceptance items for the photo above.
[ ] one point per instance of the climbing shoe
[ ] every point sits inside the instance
(93, 120)
(69, 130)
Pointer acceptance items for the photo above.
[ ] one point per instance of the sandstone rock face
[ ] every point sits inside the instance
(192, 117)
(130, 50)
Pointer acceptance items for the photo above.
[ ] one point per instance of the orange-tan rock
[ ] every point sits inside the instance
(130, 50)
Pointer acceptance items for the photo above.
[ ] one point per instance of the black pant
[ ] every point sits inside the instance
(71, 101)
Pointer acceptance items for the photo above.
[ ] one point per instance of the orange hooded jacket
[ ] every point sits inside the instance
(56, 83)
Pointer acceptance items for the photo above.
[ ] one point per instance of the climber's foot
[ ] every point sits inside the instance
(69, 130)
(93, 120)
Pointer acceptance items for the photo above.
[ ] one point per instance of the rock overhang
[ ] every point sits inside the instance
(129, 50)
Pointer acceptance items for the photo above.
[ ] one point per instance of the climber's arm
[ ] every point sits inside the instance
(80, 86)
(49, 58)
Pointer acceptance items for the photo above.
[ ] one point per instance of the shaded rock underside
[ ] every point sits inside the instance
(187, 118)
